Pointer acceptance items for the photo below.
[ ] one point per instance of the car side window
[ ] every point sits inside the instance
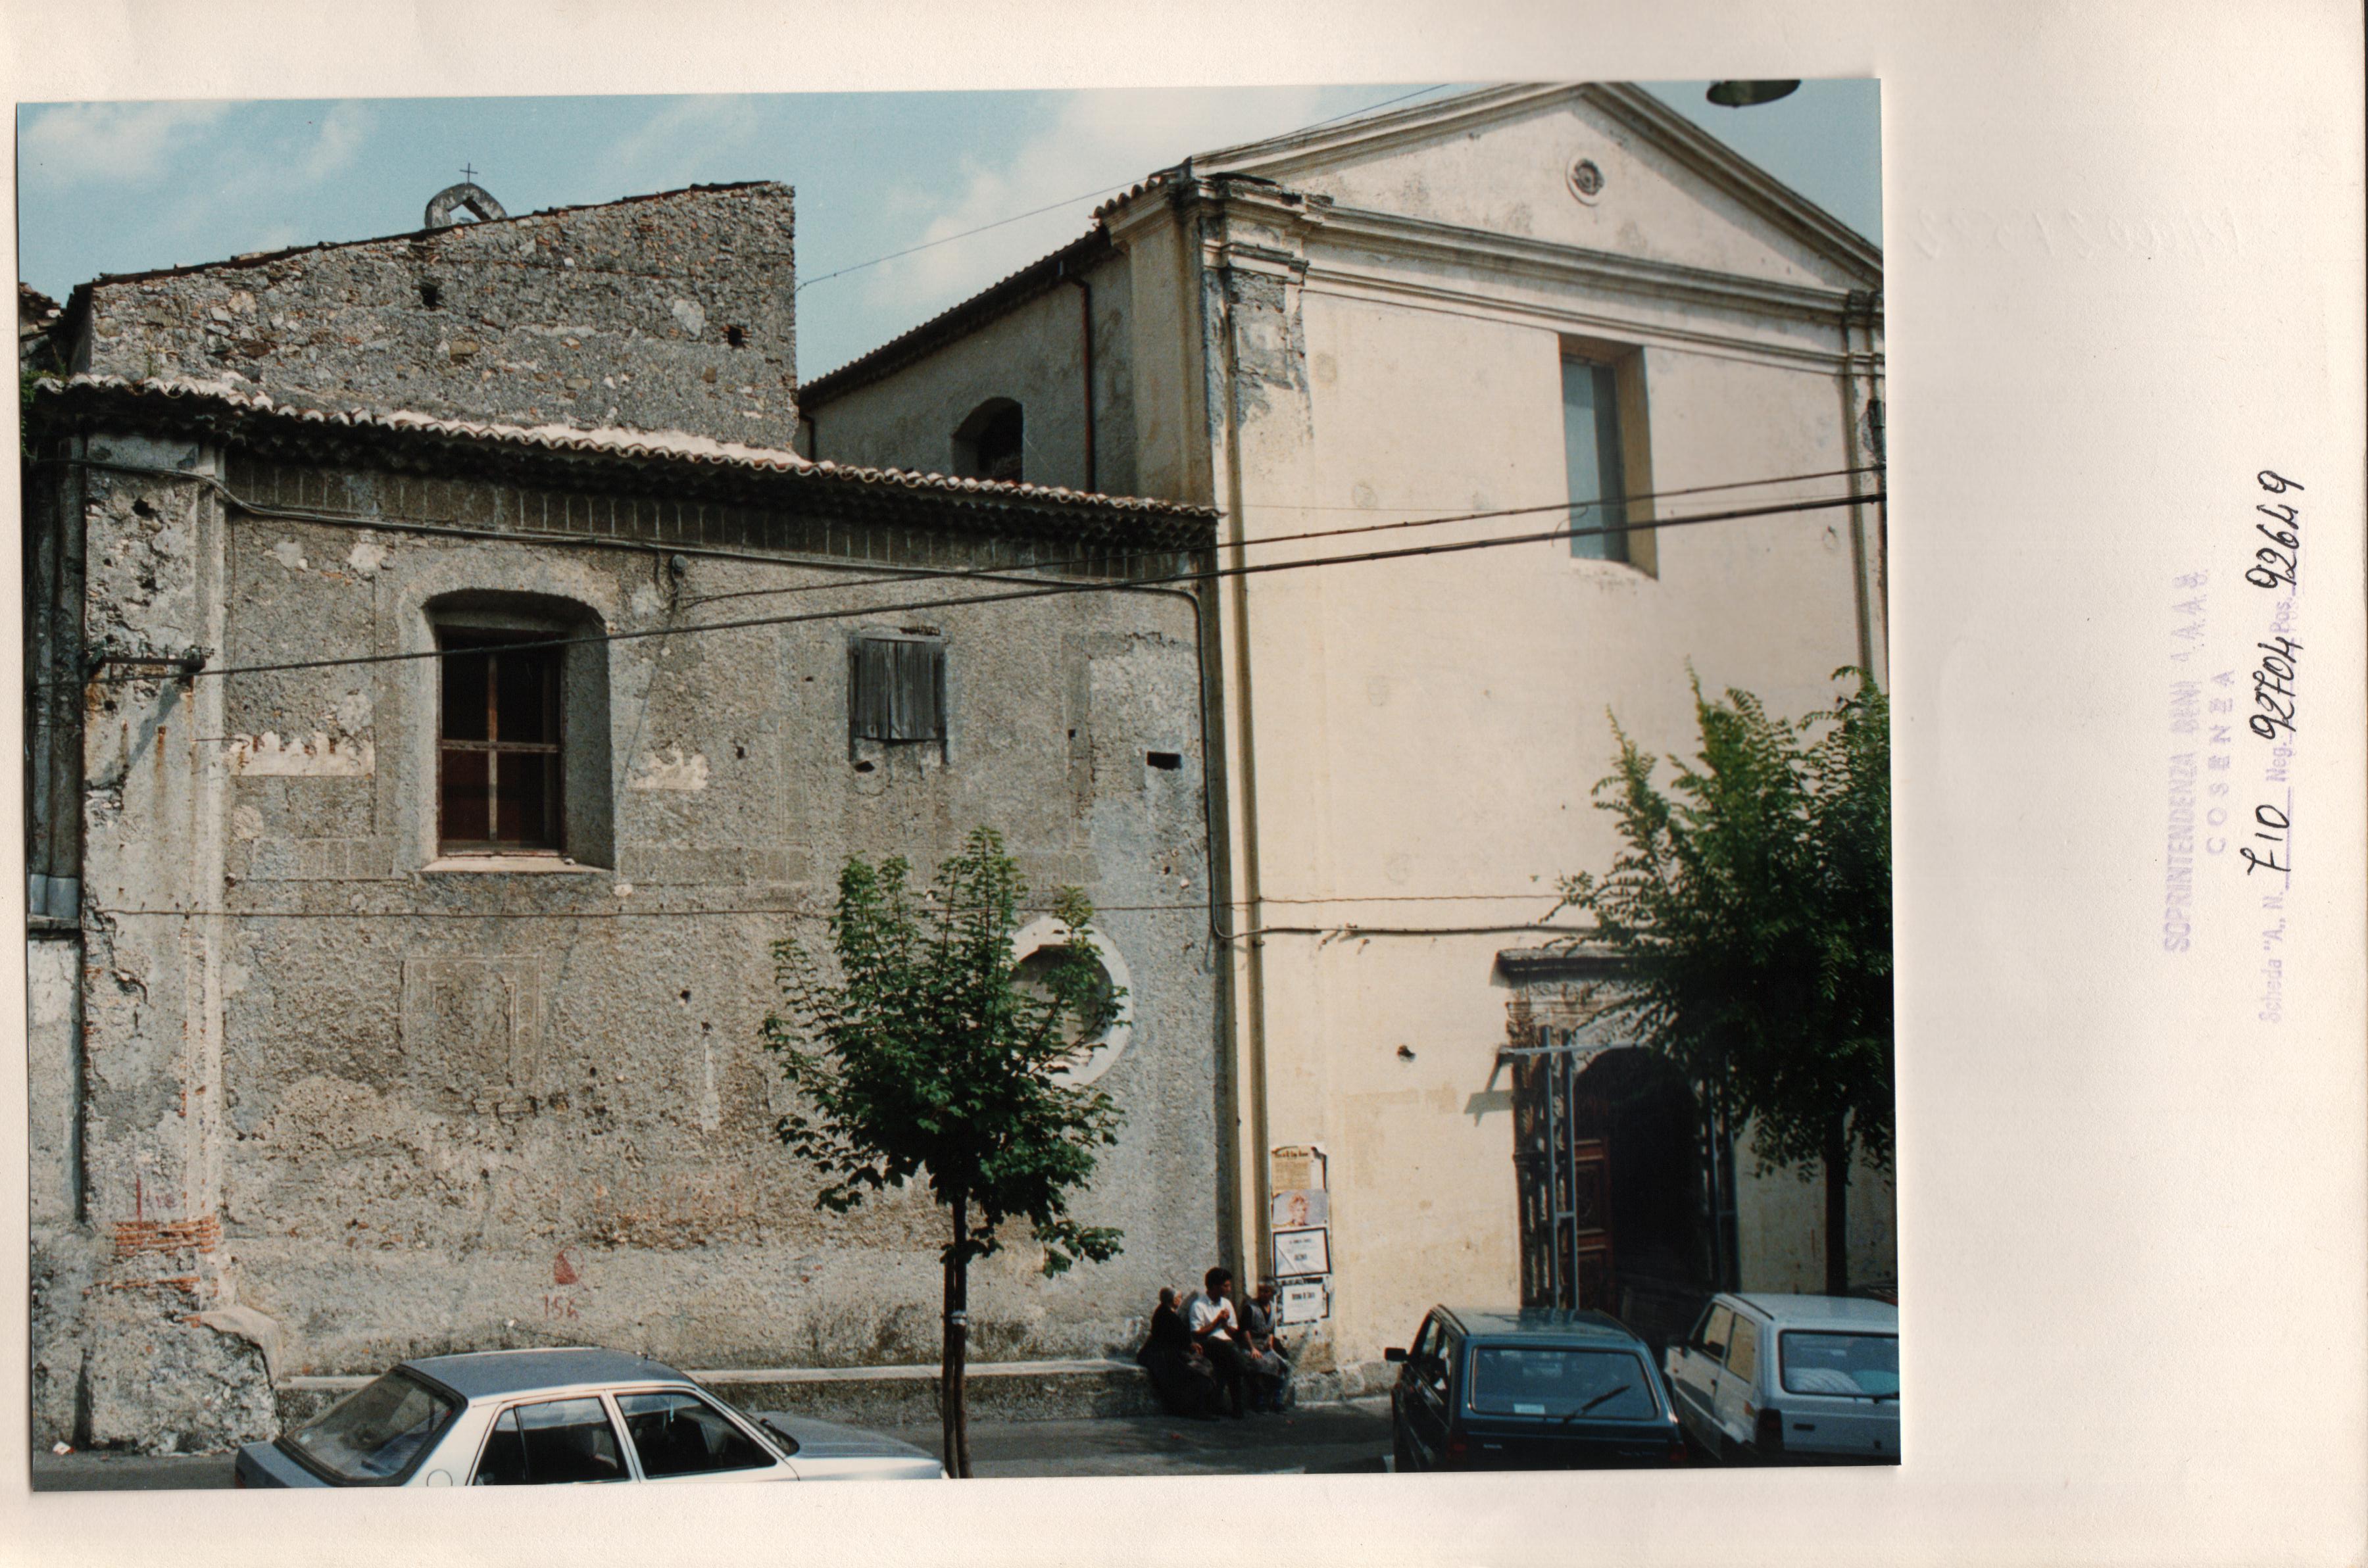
(552, 1444)
(1714, 1332)
(1743, 1350)
(680, 1434)
(1442, 1356)
(1426, 1343)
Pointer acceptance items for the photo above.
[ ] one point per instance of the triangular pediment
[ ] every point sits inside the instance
(1507, 160)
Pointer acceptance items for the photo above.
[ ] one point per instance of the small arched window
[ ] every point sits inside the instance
(988, 444)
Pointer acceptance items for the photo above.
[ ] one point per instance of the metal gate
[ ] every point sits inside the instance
(1564, 1171)
(1562, 1158)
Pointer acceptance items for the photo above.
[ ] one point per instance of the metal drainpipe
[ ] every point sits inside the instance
(1086, 336)
(1251, 1118)
(1859, 598)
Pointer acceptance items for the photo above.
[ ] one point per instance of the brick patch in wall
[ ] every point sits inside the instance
(135, 1236)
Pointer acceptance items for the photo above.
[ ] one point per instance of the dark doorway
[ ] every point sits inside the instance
(1606, 1148)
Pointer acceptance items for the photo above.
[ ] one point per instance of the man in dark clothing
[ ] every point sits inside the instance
(1216, 1328)
(1181, 1374)
(1268, 1366)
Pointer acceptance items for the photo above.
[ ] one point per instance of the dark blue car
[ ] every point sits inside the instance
(1540, 1388)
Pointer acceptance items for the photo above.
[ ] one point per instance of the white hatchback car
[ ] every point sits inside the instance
(540, 1417)
(1788, 1379)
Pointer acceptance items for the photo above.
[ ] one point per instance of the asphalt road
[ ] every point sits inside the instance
(1321, 1439)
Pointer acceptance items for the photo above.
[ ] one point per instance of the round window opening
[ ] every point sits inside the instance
(1586, 180)
(1043, 944)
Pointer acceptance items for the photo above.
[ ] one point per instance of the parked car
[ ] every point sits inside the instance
(540, 1417)
(1790, 1379)
(1540, 1388)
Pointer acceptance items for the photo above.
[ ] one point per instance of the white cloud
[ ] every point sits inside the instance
(109, 141)
(1101, 139)
(675, 144)
(340, 135)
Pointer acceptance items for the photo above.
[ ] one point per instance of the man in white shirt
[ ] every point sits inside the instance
(1216, 1328)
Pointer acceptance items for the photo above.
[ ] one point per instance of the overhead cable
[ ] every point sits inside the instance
(1048, 590)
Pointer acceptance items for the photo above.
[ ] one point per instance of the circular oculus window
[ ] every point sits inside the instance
(1586, 179)
(1038, 944)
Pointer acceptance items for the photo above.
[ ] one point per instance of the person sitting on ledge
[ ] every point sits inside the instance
(1216, 1328)
(1180, 1375)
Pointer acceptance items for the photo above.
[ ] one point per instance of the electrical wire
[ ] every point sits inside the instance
(806, 913)
(1044, 591)
(1574, 505)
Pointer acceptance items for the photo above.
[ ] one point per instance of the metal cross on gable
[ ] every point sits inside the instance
(469, 173)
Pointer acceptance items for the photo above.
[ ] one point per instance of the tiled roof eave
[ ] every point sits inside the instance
(683, 465)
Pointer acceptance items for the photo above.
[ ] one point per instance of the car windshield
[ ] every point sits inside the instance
(1864, 1365)
(378, 1431)
(1610, 1385)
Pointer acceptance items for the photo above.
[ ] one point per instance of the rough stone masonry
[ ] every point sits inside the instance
(312, 1090)
(667, 312)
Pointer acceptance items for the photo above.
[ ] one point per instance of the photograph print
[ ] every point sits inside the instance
(896, 786)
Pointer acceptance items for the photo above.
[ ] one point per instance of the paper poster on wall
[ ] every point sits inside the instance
(1297, 1167)
(1296, 1208)
(1305, 1301)
(1302, 1252)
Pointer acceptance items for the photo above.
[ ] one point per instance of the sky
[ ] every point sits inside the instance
(126, 186)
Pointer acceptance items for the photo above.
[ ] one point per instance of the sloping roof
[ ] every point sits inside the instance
(998, 299)
(691, 464)
(1277, 157)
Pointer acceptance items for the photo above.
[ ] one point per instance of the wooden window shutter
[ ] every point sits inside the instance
(919, 710)
(898, 688)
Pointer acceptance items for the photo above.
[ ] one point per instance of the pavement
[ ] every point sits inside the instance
(1348, 1438)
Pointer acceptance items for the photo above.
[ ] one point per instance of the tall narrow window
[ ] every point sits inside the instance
(499, 786)
(898, 688)
(1590, 442)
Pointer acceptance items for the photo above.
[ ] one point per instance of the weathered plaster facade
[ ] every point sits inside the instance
(310, 1093)
(1368, 324)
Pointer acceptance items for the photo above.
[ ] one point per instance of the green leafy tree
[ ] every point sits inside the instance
(923, 1054)
(1752, 902)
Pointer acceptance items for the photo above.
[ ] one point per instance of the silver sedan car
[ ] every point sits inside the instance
(546, 1417)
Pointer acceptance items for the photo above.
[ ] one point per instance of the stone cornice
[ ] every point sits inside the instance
(1422, 240)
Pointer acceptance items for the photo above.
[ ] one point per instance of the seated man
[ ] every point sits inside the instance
(1215, 1327)
(1181, 1374)
(1268, 1366)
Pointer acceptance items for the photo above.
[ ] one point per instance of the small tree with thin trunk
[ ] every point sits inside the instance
(1754, 910)
(922, 1055)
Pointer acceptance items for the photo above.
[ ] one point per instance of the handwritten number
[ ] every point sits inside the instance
(2276, 484)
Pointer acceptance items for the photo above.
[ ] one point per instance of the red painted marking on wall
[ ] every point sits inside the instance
(562, 1271)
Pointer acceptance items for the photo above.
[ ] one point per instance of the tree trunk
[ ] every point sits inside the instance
(1837, 1208)
(955, 1415)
